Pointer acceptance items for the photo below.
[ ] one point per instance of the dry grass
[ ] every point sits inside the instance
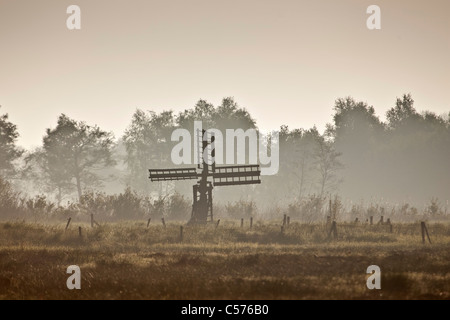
(128, 261)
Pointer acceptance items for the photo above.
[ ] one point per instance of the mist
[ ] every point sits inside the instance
(397, 167)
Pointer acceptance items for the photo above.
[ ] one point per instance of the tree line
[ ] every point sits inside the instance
(405, 158)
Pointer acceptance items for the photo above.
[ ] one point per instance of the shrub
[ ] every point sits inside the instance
(40, 207)
(128, 205)
(241, 209)
(405, 210)
(158, 207)
(434, 207)
(308, 209)
(96, 203)
(10, 202)
(357, 211)
(178, 207)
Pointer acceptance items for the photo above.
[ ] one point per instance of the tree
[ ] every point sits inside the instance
(230, 116)
(8, 148)
(354, 122)
(202, 111)
(74, 151)
(47, 171)
(285, 183)
(297, 147)
(148, 145)
(328, 164)
(306, 147)
(416, 150)
(402, 112)
(309, 166)
(358, 133)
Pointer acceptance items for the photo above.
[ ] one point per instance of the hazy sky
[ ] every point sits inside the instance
(285, 61)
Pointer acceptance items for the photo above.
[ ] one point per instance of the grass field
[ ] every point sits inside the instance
(127, 260)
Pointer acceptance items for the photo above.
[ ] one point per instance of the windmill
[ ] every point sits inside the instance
(209, 176)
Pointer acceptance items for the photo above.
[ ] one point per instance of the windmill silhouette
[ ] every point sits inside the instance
(209, 176)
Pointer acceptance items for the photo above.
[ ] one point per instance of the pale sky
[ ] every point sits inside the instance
(285, 61)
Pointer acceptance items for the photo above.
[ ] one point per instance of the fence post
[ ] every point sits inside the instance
(163, 222)
(390, 224)
(335, 234)
(330, 208)
(251, 222)
(181, 233)
(242, 222)
(371, 220)
(68, 222)
(424, 230)
(148, 222)
(79, 232)
(288, 221)
(333, 230)
(422, 227)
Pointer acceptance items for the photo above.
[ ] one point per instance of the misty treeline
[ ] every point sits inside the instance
(397, 166)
